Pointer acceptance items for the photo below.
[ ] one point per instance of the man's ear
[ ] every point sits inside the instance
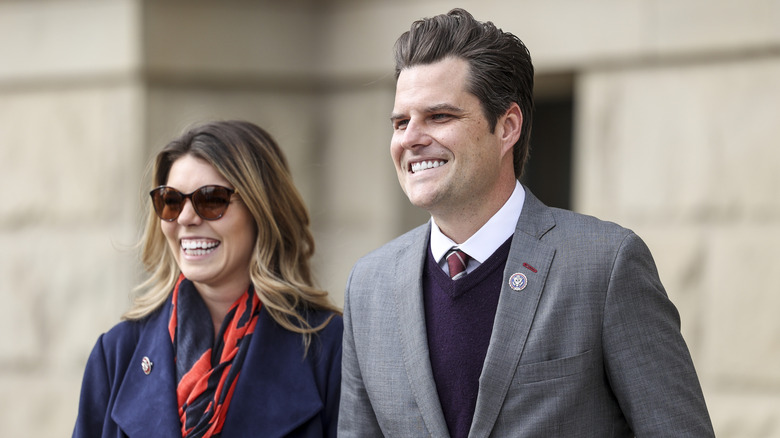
(509, 127)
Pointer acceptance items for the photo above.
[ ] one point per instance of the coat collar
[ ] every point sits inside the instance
(275, 392)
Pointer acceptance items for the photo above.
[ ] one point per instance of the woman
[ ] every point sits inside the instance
(228, 336)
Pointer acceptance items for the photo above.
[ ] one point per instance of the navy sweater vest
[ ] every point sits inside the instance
(459, 321)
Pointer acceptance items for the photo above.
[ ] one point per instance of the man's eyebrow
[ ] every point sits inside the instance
(445, 107)
(442, 107)
(395, 117)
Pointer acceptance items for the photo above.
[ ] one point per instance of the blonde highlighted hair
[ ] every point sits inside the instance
(249, 158)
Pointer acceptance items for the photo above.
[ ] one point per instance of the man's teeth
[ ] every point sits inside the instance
(425, 165)
(198, 247)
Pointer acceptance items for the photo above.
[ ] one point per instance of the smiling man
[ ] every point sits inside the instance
(501, 316)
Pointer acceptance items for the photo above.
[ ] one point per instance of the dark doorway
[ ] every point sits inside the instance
(548, 171)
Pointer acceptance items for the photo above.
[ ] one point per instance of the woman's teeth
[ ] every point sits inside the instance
(198, 247)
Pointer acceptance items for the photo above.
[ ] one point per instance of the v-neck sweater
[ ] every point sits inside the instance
(459, 318)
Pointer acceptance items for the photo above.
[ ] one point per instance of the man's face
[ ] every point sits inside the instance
(448, 162)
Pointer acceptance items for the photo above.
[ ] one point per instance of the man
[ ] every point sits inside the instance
(559, 325)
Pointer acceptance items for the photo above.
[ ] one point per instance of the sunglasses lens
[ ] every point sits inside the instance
(210, 202)
(167, 203)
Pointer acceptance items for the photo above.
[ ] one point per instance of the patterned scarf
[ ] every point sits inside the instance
(207, 368)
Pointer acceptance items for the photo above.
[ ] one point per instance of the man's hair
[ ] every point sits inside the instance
(500, 68)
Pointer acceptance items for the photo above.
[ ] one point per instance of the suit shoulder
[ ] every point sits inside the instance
(583, 235)
(569, 223)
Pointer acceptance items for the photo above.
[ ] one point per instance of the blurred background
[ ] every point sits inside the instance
(661, 115)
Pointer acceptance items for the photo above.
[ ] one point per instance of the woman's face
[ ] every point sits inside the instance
(213, 254)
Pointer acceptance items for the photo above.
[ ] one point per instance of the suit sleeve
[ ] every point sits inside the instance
(356, 415)
(647, 361)
(95, 395)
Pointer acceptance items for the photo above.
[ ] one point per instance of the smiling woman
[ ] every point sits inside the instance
(219, 339)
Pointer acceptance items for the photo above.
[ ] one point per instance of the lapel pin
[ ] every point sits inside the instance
(146, 365)
(518, 281)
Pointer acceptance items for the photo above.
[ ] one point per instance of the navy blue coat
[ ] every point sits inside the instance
(278, 394)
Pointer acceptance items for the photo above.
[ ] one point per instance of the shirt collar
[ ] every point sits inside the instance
(487, 239)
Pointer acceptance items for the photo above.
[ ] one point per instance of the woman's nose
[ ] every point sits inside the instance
(188, 216)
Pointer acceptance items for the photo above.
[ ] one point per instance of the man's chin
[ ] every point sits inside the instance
(426, 201)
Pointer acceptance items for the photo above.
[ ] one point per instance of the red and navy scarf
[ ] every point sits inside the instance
(207, 368)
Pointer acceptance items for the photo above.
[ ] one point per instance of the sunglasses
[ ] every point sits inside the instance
(209, 202)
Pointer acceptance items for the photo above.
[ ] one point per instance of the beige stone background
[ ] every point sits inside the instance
(676, 135)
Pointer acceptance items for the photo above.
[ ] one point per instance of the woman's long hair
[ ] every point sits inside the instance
(249, 158)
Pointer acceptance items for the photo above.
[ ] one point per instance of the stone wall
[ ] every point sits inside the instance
(677, 109)
(69, 148)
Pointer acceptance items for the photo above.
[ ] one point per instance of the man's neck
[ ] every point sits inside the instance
(462, 223)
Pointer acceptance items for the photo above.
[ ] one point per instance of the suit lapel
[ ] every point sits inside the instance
(414, 339)
(515, 312)
(146, 404)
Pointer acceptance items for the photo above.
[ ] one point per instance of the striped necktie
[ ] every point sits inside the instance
(457, 260)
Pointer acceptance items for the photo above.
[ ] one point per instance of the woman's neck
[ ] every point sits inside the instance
(219, 300)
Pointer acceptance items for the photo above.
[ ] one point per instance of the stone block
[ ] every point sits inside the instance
(38, 406)
(720, 25)
(650, 147)
(68, 39)
(559, 33)
(742, 339)
(737, 414)
(221, 39)
(361, 188)
(66, 287)
(74, 155)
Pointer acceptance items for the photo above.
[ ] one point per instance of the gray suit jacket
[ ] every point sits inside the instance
(591, 347)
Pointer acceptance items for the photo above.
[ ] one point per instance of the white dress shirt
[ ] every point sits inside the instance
(487, 239)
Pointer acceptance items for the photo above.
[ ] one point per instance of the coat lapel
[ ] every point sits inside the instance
(146, 404)
(276, 391)
(414, 339)
(515, 312)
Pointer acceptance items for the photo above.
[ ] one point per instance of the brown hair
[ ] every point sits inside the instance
(249, 158)
(501, 71)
